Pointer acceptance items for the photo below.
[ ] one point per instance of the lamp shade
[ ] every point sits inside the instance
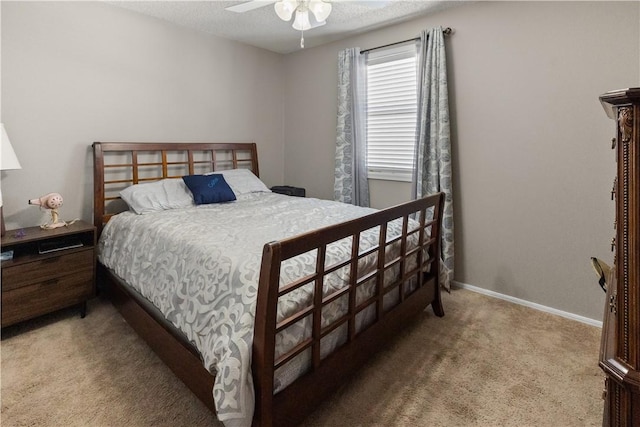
(8, 158)
(285, 8)
(320, 9)
(302, 23)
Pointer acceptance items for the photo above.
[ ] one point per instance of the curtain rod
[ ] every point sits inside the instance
(446, 32)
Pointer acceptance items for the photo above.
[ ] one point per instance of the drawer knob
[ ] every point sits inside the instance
(613, 143)
(613, 244)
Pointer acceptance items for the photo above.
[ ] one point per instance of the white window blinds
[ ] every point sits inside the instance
(391, 112)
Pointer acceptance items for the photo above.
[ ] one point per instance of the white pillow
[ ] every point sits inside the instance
(243, 181)
(157, 196)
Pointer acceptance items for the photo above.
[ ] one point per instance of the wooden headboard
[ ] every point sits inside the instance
(117, 165)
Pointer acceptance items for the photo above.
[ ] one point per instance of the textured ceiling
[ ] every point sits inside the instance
(261, 27)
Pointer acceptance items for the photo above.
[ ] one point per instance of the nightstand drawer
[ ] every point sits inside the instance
(17, 276)
(36, 283)
(46, 296)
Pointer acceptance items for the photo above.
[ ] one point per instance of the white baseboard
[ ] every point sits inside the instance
(526, 303)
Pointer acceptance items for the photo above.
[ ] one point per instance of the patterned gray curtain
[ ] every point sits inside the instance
(432, 171)
(351, 184)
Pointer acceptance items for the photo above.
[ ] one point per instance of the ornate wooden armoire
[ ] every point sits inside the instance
(620, 347)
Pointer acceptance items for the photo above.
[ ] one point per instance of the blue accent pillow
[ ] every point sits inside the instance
(208, 189)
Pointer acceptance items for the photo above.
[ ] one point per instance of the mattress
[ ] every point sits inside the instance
(200, 266)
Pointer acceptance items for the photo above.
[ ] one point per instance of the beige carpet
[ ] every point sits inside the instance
(486, 363)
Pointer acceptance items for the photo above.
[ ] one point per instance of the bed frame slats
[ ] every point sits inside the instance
(129, 159)
(424, 275)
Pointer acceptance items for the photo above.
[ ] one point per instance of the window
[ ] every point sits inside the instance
(391, 112)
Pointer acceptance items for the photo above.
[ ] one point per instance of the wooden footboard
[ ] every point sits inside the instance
(412, 287)
(415, 285)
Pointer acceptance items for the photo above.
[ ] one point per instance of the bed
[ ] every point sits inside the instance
(314, 287)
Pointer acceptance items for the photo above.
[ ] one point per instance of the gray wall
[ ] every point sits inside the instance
(532, 164)
(78, 72)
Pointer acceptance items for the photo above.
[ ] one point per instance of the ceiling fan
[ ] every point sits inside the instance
(249, 5)
(285, 9)
(292, 6)
(255, 4)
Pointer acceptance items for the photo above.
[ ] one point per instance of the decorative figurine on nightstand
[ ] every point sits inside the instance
(51, 201)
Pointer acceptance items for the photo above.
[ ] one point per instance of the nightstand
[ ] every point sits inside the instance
(289, 190)
(49, 270)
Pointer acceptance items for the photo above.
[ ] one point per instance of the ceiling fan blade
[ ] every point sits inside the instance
(250, 5)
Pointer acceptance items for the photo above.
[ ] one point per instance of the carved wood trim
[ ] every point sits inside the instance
(622, 249)
(625, 122)
(620, 352)
(626, 234)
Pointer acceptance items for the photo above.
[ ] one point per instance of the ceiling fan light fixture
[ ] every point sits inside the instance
(302, 22)
(320, 9)
(285, 8)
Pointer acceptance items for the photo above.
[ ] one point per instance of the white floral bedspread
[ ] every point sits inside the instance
(200, 267)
